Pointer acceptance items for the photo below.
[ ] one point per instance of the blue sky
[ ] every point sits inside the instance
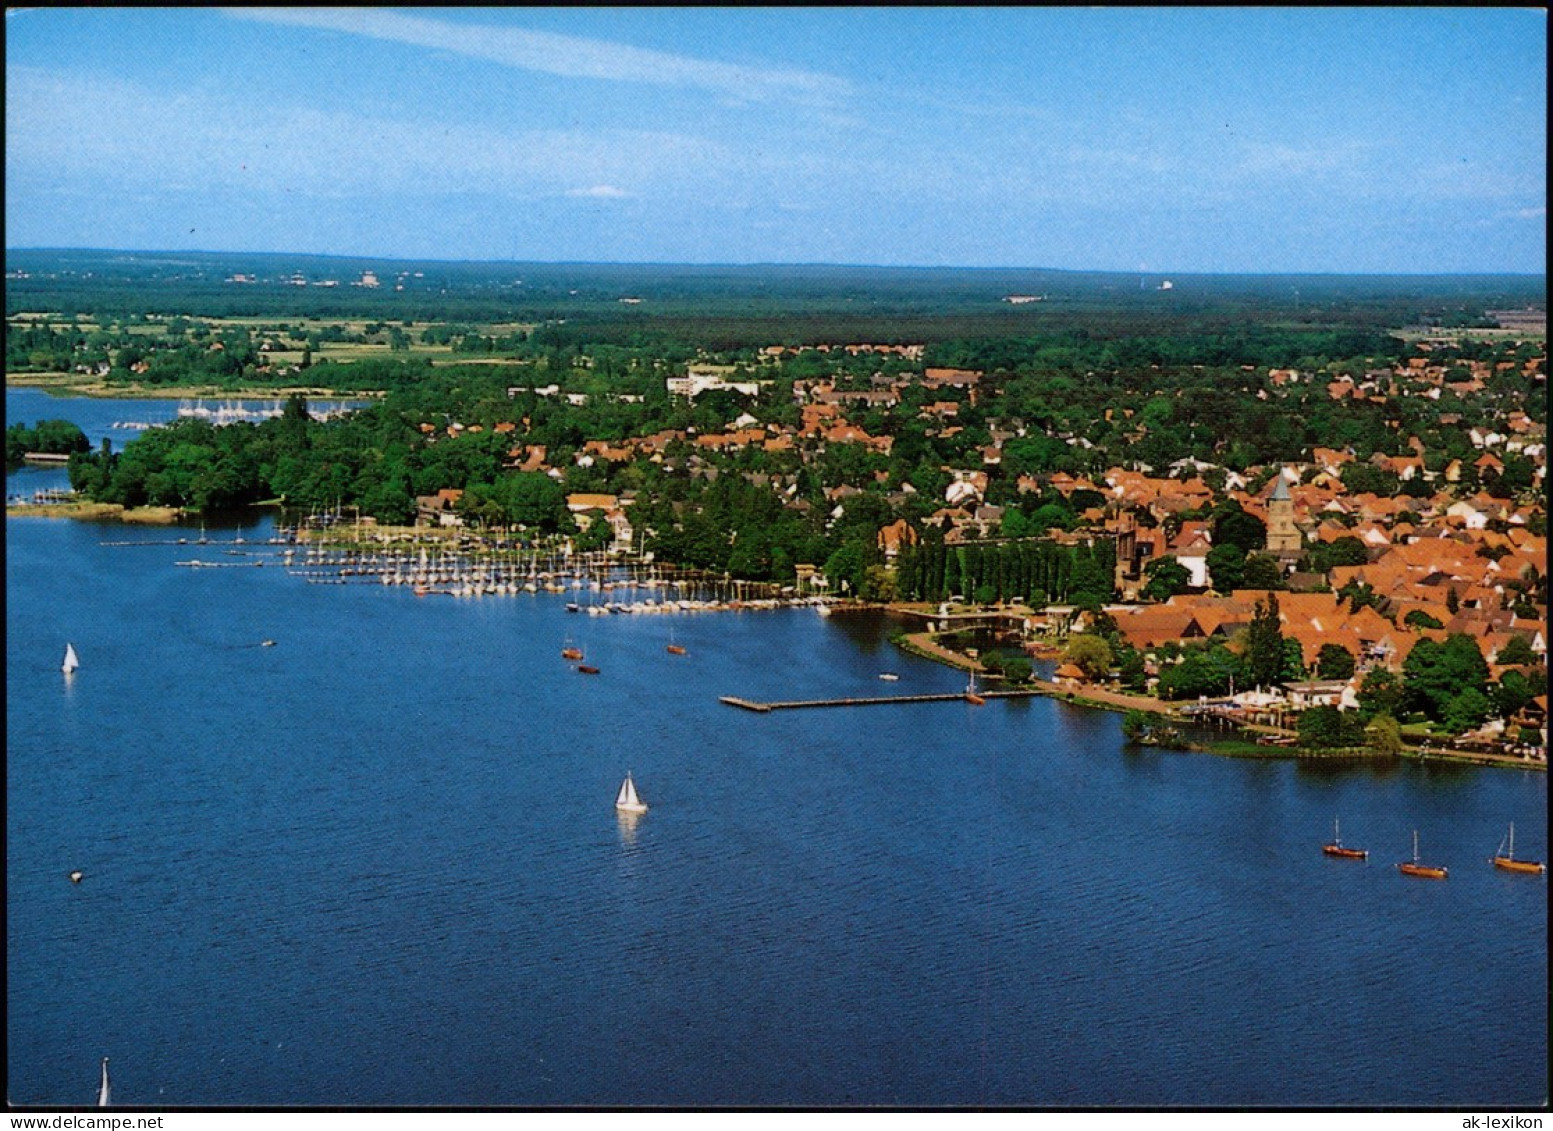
(1409, 140)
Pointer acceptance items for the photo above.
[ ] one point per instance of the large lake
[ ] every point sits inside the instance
(379, 864)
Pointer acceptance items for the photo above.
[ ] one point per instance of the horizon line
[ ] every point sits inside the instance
(800, 264)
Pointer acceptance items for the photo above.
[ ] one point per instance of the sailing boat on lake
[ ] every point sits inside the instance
(1336, 847)
(627, 801)
(104, 1091)
(1414, 868)
(72, 662)
(1505, 857)
(970, 691)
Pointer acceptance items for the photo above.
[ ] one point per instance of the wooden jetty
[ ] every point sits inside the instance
(870, 701)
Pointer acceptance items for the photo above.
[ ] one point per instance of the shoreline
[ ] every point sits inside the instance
(96, 512)
(1101, 699)
(65, 385)
(921, 644)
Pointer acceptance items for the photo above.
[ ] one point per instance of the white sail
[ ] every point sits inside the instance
(71, 661)
(103, 1090)
(627, 801)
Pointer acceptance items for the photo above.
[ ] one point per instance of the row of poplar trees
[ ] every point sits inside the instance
(1036, 572)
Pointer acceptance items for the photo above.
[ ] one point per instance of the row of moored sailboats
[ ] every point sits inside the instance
(1504, 858)
(596, 587)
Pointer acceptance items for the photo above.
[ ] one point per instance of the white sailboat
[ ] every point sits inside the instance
(104, 1092)
(72, 662)
(627, 801)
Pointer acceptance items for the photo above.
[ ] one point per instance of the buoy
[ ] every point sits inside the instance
(75, 877)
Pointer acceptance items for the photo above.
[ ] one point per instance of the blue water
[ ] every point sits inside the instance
(378, 864)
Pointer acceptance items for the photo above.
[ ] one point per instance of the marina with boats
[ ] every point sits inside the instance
(596, 583)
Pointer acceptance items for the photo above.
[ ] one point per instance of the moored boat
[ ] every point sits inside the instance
(1505, 857)
(676, 649)
(1336, 848)
(587, 669)
(970, 692)
(1414, 868)
(570, 653)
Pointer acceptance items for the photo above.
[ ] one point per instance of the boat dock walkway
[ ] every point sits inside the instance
(869, 701)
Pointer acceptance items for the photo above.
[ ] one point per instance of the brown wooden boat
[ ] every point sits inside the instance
(1414, 868)
(571, 653)
(676, 649)
(970, 693)
(587, 669)
(1505, 857)
(1336, 847)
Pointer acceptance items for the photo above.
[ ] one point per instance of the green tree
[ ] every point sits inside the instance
(1233, 526)
(1135, 724)
(1466, 711)
(1262, 572)
(1017, 669)
(1385, 734)
(1510, 694)
(1264, 643)
(1380, 692)
(1435, 674)
(1132, 672)
(1344, 551)
(1166, 578)
(1327, 728)
(1091, 653)
(1334, 662)
(1516, 650)
(1227, 567)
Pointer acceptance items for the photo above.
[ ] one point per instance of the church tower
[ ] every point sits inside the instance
(1284, 539)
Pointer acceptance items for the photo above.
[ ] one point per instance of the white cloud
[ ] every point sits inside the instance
(70, 126)
(600, 192)
(565, 55)
(1262, 157)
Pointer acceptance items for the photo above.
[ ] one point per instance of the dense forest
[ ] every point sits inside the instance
(710, 307)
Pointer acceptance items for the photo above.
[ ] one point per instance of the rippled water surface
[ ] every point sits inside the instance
(378, 864)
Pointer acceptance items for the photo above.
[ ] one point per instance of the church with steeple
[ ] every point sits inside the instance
(1284, 540)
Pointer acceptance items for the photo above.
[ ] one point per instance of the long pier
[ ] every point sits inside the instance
(870, 701)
